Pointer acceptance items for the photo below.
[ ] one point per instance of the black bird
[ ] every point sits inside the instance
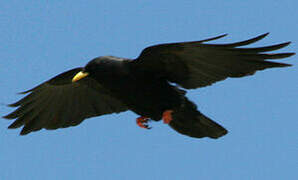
(152, 85)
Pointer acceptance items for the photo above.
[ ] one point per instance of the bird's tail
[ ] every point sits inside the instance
(189, 121)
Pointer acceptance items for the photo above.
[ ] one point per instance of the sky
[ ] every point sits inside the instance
(40, 39)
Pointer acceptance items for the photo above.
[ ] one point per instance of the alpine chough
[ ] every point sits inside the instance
(153, 86)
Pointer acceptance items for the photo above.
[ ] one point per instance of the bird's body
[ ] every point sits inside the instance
(143, 92)
(153, 86)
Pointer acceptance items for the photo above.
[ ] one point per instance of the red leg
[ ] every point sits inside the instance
(167, 116)
(142, 122)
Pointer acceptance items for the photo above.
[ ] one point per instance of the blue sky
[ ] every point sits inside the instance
(40, 39)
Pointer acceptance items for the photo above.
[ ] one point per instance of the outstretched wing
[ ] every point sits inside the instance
(194, 64)
(60, 103)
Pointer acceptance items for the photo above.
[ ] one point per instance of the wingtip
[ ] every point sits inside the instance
(219, 134)
(12, 105)
(282, 45)
(24, 132)
(265, 34)
(223, 35)
(6, 116)
(287, 43)
(289, 65)
(214, 38)
(262, 36)
(11, 127)
(259, 37)
(24, 92)
(286, 55)
(30, 90)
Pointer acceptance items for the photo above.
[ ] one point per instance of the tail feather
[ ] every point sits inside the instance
(189, 121)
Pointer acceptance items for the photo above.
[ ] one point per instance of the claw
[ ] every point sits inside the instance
(167, 116)
(143, 122)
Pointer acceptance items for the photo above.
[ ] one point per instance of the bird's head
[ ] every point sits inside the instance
(98, 66)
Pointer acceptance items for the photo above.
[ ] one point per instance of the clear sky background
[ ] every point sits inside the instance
(40, 39)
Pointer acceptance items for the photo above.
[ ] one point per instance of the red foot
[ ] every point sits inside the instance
(142, 122)
(167, 116)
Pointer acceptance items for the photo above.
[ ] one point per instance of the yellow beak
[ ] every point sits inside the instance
(79, 75)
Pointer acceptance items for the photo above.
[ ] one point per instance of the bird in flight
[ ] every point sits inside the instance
(153, 86)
